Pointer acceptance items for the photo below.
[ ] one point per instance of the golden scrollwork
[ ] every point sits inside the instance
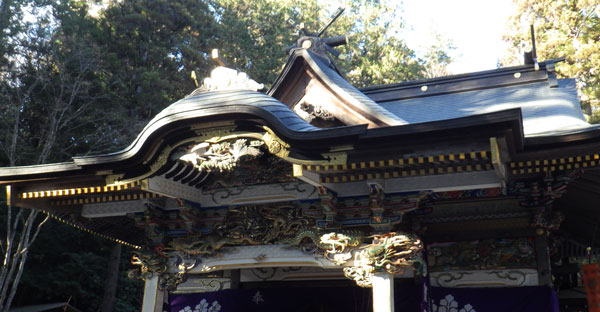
(275, 145)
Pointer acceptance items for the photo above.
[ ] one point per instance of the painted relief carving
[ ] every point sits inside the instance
(155, 263)
(391, 252)
(222, 157)
(275, 145)
(238, 163)
(481, 255)
(149, 262)
(249, 225)
(541, 195)
(310, 112)
(328, 207)
(194, 232)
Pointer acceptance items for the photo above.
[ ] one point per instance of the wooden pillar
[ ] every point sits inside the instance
(542, 257)
(383, 292)
(153, 297)
(235, 279)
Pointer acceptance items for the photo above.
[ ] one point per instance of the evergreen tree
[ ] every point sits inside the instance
(253, 36)
(570, 29)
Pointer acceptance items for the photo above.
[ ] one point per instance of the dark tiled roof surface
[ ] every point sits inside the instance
(546, 110)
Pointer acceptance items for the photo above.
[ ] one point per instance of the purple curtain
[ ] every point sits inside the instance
(514, 299)
(292, 299)
(354, 299)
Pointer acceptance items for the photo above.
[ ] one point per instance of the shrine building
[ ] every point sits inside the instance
(476, 192)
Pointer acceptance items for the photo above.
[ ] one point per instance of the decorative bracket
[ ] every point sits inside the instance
(499, 157)
(541, 194)
(328, 205)
(376, 198)
(381, 221)
(391, 252)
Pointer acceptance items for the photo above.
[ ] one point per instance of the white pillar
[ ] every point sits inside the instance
(153, 297)
(383, 292)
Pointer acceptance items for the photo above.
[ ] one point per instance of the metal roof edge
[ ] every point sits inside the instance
(460, 77)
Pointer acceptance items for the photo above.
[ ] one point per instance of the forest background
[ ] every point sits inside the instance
(83, 77)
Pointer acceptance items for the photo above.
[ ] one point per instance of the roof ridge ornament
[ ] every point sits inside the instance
(227, 79)
(223, 78)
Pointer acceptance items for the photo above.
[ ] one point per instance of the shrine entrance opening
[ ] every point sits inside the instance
(294, 289)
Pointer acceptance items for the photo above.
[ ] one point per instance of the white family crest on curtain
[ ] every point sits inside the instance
(204, 306)
(258, 298)
(448, 304)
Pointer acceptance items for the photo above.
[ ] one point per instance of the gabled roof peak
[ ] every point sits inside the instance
(308, 80)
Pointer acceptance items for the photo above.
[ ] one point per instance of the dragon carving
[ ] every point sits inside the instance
(149, 262)
(392, 252)
(247, 225)
(155, 263)
(254, 225)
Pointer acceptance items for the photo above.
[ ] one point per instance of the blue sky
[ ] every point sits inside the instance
(475, 27)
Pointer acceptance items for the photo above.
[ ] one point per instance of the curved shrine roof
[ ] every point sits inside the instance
(533, 102)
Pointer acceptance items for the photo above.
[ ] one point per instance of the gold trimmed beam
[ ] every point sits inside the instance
(311, 178)
(554, 164)
(78, 191)
(103, 199)
(361, 176)
(426, 160)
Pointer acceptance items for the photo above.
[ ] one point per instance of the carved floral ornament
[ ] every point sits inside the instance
(224, 151)
(223, 156)
(310, 112)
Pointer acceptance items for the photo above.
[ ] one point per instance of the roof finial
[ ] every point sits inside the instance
(531, 56)
(316, 44)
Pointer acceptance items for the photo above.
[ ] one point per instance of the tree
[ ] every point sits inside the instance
(151, 47)
(437, 57)
(253, 36)
(375, 53)
(566, 28)
(67, 264)
(46, 89)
